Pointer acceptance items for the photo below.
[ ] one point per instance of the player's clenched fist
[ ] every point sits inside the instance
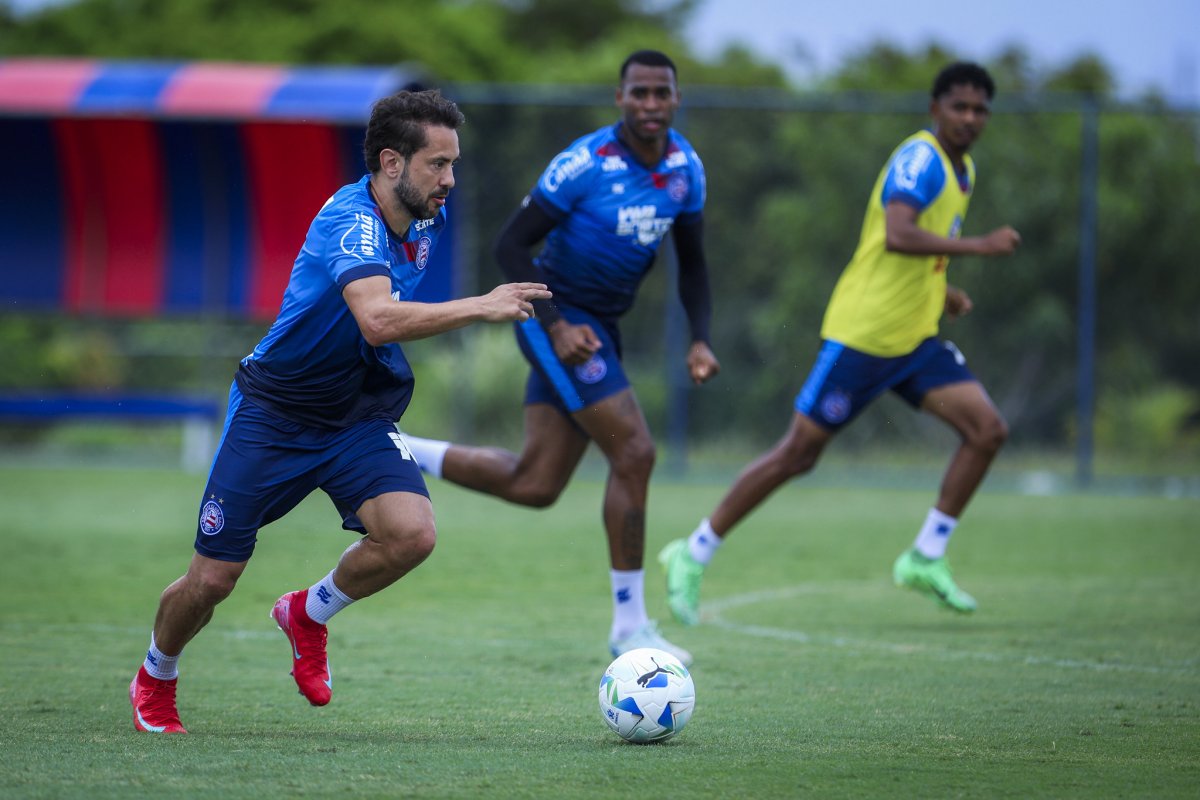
(702, 364)
(1002, 241)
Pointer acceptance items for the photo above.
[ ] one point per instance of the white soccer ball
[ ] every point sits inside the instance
(646, 695)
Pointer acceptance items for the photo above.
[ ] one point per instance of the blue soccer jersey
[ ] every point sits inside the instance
(313, 366)
(612, 213)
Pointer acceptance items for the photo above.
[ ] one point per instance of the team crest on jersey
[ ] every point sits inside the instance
(423, 247)
(835, 407)
(592, 371)
(212, 518)
(677, 187)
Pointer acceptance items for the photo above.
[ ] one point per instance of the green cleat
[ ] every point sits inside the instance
(683, 581)
(648, 636)
(931, 576)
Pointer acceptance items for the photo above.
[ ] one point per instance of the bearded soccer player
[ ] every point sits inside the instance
(315, 405)
(602, 206)
(880, 333)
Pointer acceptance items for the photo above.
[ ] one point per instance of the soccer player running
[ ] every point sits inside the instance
(315, 404)
(880, 333)
(603, 206)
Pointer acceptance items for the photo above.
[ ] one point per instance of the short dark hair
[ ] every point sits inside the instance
(648, 58)
(398, 123)
(960, 73)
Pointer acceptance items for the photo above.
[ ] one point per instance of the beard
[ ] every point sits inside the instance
(410, 197)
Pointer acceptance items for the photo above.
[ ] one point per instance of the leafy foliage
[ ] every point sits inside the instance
(788, 176)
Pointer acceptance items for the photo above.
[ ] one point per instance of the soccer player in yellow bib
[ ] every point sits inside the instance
(880, 333)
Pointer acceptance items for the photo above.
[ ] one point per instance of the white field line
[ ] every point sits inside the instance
(711, 613)
(96, 627)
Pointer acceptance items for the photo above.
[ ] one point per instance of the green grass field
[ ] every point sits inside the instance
(476, 676)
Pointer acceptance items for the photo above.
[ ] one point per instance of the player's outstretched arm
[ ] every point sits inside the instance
(383, 320)
(1001, 242)
(905, 236)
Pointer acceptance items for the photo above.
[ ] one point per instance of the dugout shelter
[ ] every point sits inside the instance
(140, 189)
(158, 188)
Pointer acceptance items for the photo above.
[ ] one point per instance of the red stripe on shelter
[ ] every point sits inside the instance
(114, 204)
(45, 85)
(82, 224)
(293, 170)
(219, 90)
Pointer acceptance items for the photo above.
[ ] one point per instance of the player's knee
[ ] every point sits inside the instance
(540, 495)
(635, 459)
(210, 587)
(991, 435)
(796, 464)
(407, 545)
(795, 456)
(420, 544)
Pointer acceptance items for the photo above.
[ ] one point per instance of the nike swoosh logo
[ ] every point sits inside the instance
(148, 726)
(286, 633)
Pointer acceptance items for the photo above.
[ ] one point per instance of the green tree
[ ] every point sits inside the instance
(544, 41)
(789, 170)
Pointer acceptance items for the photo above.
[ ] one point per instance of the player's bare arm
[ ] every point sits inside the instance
(702, 363)
(383, 320)
(905, 236)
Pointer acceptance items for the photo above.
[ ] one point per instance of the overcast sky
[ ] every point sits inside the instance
(1147, 43)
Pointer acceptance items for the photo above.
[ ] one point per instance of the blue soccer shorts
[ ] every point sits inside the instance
(571, 388)
(265, 465)
(844, 381)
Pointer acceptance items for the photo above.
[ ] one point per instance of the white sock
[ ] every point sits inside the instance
(429, 453)
(935, 534)
(159, 665)
(629, 602)
(703, 542)
(324, 600)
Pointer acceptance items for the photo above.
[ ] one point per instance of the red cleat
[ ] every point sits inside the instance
(153, 703)
(310, 665)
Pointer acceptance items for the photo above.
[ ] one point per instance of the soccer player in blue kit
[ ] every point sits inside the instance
(314, 406)
(602, 206)
(880, 334)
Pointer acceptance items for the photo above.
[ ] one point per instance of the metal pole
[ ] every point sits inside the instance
(1088, 213)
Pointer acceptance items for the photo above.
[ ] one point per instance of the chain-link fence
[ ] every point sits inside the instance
(1106, 199)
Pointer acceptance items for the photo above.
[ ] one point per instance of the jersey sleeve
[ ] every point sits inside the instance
(915, 176)
(356, 246)
(697, 190)
(566, 180)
